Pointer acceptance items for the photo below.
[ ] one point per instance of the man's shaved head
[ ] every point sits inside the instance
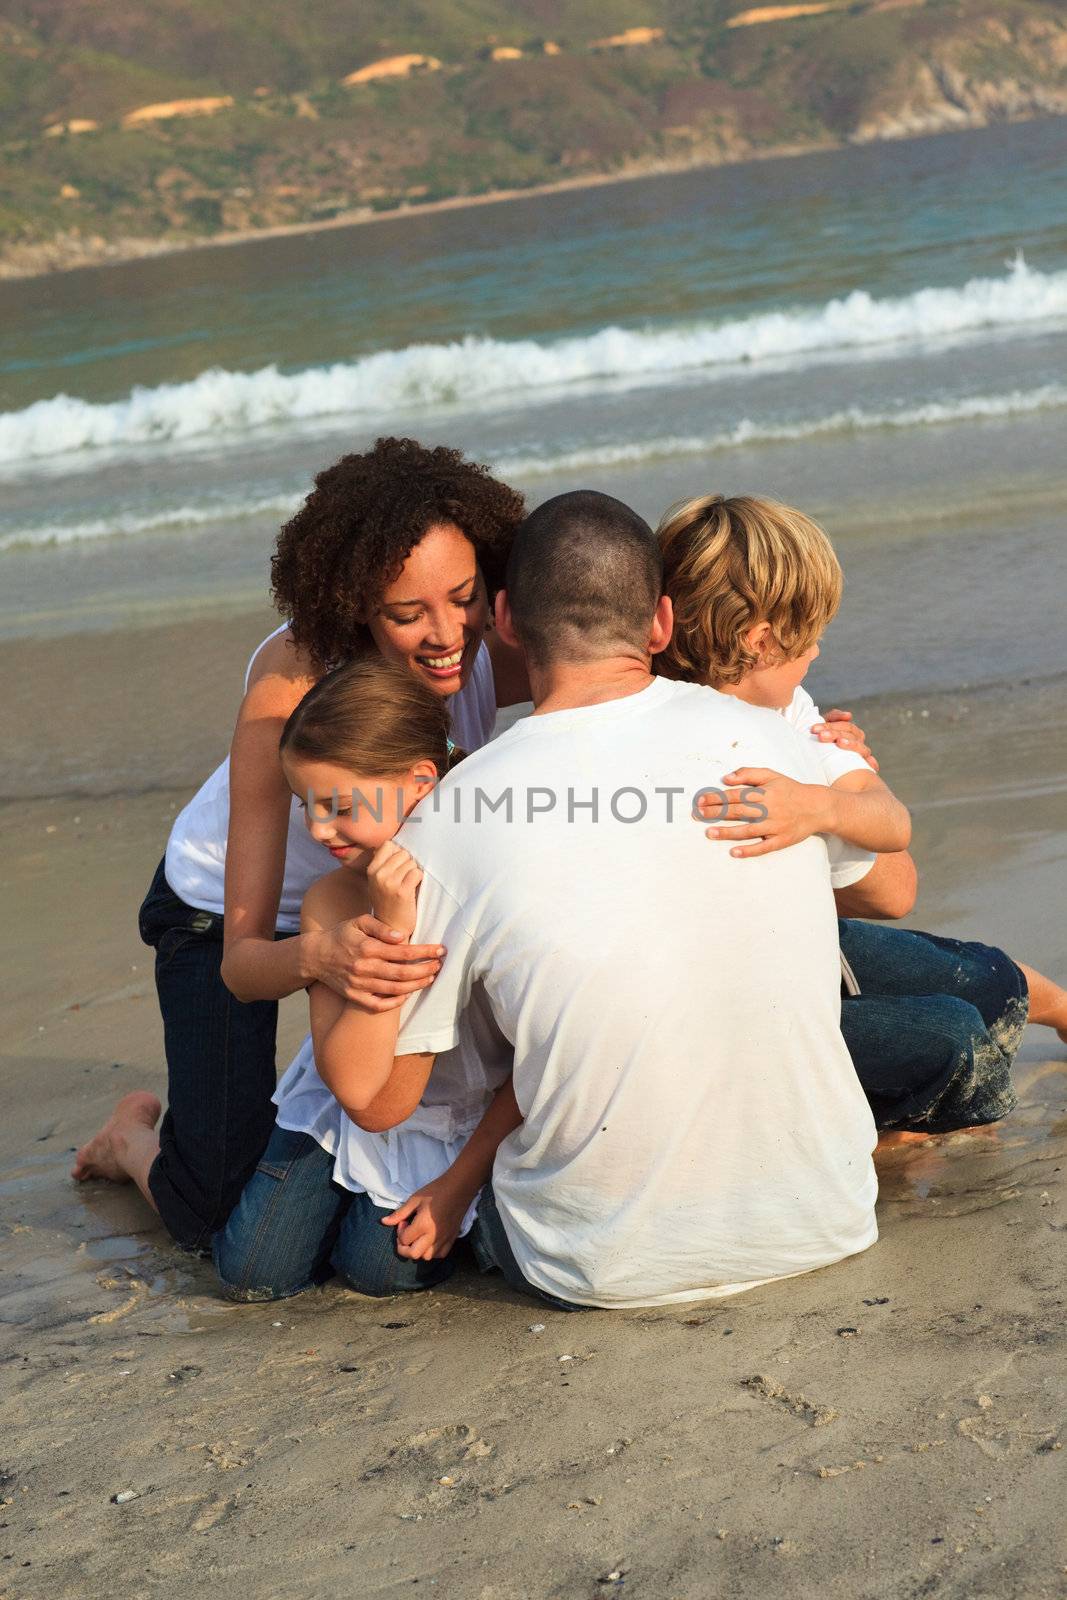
(584, 579)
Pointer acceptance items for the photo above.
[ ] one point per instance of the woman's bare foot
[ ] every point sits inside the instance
(108, 1154)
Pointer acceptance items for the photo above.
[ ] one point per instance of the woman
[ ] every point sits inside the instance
(394, 550)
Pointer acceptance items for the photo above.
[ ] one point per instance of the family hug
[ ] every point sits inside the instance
(615, 995)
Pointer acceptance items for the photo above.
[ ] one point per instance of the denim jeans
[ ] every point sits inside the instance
(934, 1031)
(293, 1227)
(220, 1070)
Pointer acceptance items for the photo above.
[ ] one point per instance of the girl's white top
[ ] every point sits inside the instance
(391, 1166)
(196, 851)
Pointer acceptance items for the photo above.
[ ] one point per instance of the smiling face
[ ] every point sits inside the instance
(353, 814)
(432, 617)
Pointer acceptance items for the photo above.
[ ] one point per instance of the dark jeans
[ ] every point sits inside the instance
(220, 1071)
(935, 1029)
(293, 1227)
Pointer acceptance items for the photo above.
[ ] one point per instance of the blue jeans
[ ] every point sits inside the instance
(934, 1032)
(293, 1228)
(220, 1071)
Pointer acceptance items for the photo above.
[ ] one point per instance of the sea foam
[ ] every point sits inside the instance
(588, 458)
(172, 519)
(473, 371)
(852, 419)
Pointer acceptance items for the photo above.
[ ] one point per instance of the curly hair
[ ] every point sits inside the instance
(359, 524)
(728, 564)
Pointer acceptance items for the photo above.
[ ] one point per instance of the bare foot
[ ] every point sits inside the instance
(900, 1138)
(1061, 1033)
(896, 1137)
(103, 1156)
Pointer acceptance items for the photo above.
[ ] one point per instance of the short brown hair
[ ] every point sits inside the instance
(360, 523)
(583, 578)
(730, 563)
(373, 718)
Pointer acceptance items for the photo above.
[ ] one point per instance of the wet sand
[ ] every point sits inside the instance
(890, 1426)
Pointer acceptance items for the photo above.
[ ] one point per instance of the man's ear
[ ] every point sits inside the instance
(502, 620)
(662, 626)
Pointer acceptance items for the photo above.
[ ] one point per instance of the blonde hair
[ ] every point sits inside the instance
(372, 717)
(729, 564)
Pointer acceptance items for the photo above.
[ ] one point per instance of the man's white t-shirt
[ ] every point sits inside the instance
(693, 1123)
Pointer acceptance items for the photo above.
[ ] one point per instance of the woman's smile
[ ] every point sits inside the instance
(445, 666)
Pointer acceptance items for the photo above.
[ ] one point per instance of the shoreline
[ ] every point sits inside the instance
(146, 249)
(132, 249)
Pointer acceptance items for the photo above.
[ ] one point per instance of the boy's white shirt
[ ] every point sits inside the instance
(693, 1123)
(802, 714)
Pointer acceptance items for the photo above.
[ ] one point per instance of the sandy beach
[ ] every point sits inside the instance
(889, 1426)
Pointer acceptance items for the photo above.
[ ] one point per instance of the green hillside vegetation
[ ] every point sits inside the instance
(296, 146)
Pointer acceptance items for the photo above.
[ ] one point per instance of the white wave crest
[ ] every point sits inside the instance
(476, 370)
(1020, 402)
(130, 523)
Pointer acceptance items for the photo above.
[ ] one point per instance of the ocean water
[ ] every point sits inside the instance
(877, 334)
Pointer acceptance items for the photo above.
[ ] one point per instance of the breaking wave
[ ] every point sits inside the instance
(854, 419)
(1018, 402)
(473, 371)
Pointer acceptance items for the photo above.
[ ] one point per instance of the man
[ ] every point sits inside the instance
(692, 1124)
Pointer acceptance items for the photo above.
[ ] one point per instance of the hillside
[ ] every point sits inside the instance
(129, 128)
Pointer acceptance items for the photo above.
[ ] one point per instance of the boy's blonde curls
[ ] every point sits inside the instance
(729, 564)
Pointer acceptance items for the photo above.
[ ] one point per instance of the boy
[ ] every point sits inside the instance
(932, 1024)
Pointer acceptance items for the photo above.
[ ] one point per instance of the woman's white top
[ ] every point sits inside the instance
(196, 851)
(391, 1166)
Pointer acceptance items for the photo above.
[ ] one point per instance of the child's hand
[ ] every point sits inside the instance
(840, 729)
(394, 877)
(767, 807)
(428, 1223)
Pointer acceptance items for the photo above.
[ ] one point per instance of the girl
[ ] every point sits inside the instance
(393, 553)
(932, 1024)
(359, 752)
